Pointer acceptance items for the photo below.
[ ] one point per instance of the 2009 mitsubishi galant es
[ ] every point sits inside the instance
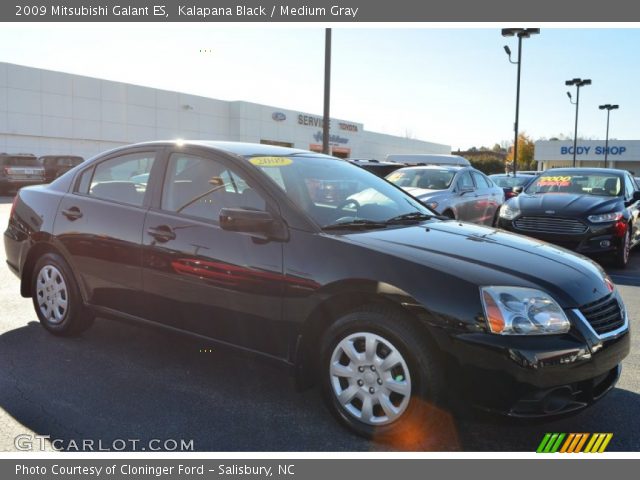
(377, 299)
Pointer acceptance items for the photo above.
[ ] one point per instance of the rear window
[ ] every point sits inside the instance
(507, 182)
(19, 162)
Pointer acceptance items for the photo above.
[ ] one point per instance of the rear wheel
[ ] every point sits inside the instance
(449, 214)
(621, 257)
(379, 374)
(56, 297)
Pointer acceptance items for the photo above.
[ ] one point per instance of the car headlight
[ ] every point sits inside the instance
(509, 212)
(522, 311)
(432, 205)
(605, 217)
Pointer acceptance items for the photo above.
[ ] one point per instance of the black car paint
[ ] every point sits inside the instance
(578, 206)
(274, 296)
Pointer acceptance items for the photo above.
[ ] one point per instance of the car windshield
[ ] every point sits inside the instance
(432, 179)
(333, 191)
(600, 183)
(509, 181)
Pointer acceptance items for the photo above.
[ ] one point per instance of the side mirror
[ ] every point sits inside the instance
(252, 221)
(517, 190)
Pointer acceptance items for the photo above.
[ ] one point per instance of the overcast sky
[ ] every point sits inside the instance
(447, 85)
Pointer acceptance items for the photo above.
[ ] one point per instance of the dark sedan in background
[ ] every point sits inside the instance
(387, 307)
(57, 165)
(461, 193)
(513, 185)
(593, 211)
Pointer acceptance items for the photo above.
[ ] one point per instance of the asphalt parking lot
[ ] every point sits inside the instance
(124, 382)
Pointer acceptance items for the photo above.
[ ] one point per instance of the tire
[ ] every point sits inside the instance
(350, 383)
(621, 257)
(56, 297)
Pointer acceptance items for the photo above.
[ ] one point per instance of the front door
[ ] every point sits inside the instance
(201, 278)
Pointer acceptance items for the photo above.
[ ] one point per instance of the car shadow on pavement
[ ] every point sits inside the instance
(121, 382)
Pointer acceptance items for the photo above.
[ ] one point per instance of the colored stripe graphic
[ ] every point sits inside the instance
(574, 442)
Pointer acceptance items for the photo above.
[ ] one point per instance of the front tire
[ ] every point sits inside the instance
(621, 257)
(56, 297)
(379, 373)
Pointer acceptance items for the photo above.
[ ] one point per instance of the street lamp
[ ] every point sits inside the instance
(608, 107)
(520, 33)
(326, 119)
(578, 82)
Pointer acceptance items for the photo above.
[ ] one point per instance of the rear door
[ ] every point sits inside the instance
(487, 199)
(465, 197)
(99, 227)
(201, 278)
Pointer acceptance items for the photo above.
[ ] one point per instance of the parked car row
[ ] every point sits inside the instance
(361, 288)
(22, 169)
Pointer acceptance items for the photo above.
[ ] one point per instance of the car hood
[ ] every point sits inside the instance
(488, 256)
(566, 204)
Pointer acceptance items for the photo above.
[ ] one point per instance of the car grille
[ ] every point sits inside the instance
(551, 225)
(604, 315)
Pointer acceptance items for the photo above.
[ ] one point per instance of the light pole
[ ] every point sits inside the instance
(608, 107)
(326, 122)
(520, 33)
(578, 82)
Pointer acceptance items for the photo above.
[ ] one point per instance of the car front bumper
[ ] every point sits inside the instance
(598, 239)
(538, 376)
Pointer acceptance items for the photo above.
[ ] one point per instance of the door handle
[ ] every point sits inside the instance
(163, 233)
(72, 213)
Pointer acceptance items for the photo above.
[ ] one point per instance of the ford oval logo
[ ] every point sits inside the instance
(550, 212)
(278, 116)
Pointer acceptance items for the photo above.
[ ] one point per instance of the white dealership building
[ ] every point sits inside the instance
(622, 154)
(46, 112)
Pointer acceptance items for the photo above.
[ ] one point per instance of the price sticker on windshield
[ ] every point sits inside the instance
(557, 181)
(271, 161)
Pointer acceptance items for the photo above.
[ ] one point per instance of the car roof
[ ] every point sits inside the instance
(237, 148)
(450, 168)
(587, 170)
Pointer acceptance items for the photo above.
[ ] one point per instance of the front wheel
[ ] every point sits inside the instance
(621, 257)
(380, 376)
(56, 297)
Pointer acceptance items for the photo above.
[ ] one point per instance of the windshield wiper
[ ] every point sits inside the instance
(360, 223)
(413, 217)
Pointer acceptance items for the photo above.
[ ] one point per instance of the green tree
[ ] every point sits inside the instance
(525, 153)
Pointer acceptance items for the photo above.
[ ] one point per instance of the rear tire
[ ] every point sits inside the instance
(380, 376)
(449, 214)
(56, 297)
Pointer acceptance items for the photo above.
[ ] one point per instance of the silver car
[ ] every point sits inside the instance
(463, 193)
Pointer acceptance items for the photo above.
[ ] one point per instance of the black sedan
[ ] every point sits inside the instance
(390, 309)
(513, 185)
(593, 211)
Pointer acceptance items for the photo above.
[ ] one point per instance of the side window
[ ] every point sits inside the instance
(629, 187)
(481, 181)
(122, 179)
(201, 187)
(84, 181)
(465, 181)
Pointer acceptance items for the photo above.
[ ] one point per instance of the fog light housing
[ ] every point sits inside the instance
(605, 243)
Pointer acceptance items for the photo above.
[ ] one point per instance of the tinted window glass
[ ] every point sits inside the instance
(428, 178)
(465, 180)
(122, 179)
(334, 191)
(602, 184)
(481, 181)
(201, 187)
